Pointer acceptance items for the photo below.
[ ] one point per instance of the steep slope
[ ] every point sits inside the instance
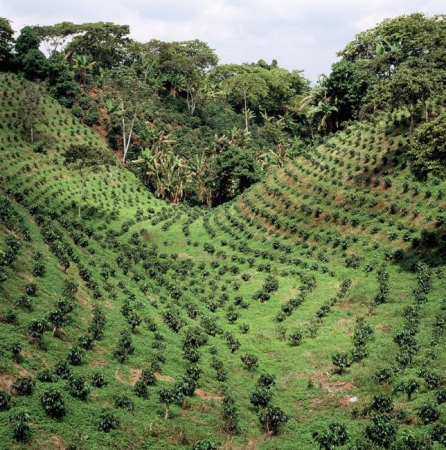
(181, 310)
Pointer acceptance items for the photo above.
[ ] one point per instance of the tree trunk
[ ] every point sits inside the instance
(246, 112)
(126, 139)
(411, 127)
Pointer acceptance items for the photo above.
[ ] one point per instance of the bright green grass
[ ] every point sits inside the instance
(116, 210)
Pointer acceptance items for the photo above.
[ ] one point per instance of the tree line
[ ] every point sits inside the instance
(197, 131)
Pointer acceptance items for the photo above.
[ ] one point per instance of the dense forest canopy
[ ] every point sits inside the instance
(198, 131)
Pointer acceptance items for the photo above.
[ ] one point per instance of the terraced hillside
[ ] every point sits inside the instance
(314, 303)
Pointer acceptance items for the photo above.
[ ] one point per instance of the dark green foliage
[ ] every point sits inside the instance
(428, 413)
(53, 403)
(192, 355)
(173, 320)
(98, 323)
(295, 338)
(24, 385)
(431, 379)
(408, 386)
(237, 170)
(28, 56)
(441, 396)
(63, 370)
(335, 435)
(39, 269)
(230, 415)
(193, 372)
(5, 401)
(98, 380)
(272, 419)
(36, 329)
(381, 403)
(205, 445)
(250, 361)
(31, 289)
(381, 431)
(410, 442)
(24, 302)
(57, 318)
(260, 397)
(428, 149)
(86, 342)
(266, 380)
(78, 388)
(81, 156)
(384, 288)
(76, 356)
(47, 376)
(438, 433)
(341, 361)
(232, 343)
(195, 337)
(185, 386)
(148, 376)
(124, 402)
(140, 389)
(21, 431)
(168, 396)
(6, 43)
(107, 422)
(125, 347)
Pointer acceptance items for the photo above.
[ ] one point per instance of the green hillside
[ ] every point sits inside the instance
(319, 291)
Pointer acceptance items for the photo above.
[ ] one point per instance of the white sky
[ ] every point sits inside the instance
(300, 34)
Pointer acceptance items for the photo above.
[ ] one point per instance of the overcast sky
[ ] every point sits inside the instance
(300, 34)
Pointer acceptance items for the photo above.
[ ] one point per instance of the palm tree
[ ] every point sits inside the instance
(199, 166)
(317, 94)
(156, 159)
(177, 84)
(81, 64)
(324, 111)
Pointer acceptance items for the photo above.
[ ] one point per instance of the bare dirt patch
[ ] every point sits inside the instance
(6, 381)
(207, 396)
(384, 327)
(164, 378)
(339, 386)
(99, 362)
(82, 298)
(58, 442)
(345, 305)
(135, 374)
(119, 377)
(22, 371)
(132, 377)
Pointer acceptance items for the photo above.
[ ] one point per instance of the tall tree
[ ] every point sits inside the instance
(399, 63)
(104, 42)
(191, 60)
(55, 37)
(412, 84)
(249, 89)
(123, 83)
(6, 42)
(30, 60)
(428, 149)
(60, 79)
(29, 110)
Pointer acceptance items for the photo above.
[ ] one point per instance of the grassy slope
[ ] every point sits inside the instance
(274, 228)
